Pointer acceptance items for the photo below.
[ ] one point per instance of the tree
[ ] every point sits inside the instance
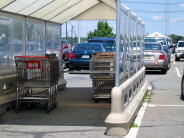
(176, 38)
(103, 30)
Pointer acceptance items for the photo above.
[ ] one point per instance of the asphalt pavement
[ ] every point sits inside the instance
(163, 117)
(78, 116)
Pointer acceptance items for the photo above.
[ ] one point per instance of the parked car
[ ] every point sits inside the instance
(65, 52)
(107, 42)
(182, 87)
(179, 52)
(82, 53)
(155, 57)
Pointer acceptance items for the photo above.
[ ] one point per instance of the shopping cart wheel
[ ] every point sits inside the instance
(55, 104)
(16, 109)
(48, 109)
(109, 100)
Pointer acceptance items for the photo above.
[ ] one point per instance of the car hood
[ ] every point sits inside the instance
(180, 48)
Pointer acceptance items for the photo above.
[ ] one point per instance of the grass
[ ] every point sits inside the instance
(147, 96)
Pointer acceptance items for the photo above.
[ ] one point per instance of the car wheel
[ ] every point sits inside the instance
(71, 68)
(164, 71)
(177, 59)
(169, 65)
(182, 88)
(67, 65)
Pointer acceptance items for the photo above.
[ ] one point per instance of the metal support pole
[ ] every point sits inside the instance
(118, 20)
(136, 43)
(66, 32)
(44, 38)
(24, 37)
(78, 31)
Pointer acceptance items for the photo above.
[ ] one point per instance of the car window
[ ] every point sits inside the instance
(181, 44)
(95, 47)
(152, 47)
(162, 41)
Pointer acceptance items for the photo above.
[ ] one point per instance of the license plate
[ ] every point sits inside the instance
(85, 56)
(148, 57)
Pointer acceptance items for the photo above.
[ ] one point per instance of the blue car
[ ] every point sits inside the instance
(82, 53)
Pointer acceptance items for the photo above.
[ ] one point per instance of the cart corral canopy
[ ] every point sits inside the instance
(60, 11)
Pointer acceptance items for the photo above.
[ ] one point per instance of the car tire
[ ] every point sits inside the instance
(67, 65)
(71, 68)
(169, 65)
(182, 88)
(164, 71)
(177, 59)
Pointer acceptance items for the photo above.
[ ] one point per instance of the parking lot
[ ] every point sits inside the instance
(77, 115)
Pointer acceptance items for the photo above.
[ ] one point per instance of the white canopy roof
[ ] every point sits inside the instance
(60, 11)
(156, 34)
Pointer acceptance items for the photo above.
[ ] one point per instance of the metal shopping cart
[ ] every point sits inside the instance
(37, 79)
(102, 67)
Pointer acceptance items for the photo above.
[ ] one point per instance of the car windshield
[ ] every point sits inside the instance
(152, 47)
(181, 44)
(95, 47)
(108, 45)
(162, 41)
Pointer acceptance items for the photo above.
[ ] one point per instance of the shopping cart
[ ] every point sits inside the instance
(102, 67)
(37, 79)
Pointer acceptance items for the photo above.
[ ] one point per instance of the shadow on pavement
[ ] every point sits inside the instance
(75, 108)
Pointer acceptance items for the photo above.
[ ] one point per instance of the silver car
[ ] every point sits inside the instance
(155, 57)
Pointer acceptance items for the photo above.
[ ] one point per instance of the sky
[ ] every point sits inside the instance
(151, 12)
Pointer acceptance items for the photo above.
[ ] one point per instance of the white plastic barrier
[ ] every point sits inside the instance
(126, 101)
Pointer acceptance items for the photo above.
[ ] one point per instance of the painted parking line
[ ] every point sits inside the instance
(164, 105)
(133, 131)
(178, 73)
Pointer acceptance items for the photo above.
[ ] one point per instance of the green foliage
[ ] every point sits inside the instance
(176, 38)
(133, 125)
(103, 30)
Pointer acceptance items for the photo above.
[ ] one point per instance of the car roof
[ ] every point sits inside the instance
(91, 43)
(102, 38)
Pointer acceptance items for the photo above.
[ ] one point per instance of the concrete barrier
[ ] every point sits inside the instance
(8, 86)
(125, 103)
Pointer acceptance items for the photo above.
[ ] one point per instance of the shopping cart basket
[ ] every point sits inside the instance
(102, 67)
(37, 79)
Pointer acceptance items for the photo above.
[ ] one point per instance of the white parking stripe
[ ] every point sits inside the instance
(164, 105)
(178, 73)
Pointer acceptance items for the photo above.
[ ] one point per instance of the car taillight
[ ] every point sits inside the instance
(162, 56)
(65, 46)
(72, 55)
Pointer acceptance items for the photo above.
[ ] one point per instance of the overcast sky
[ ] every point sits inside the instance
(151, 12)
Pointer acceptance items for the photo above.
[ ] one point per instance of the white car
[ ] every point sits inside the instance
(179, 51)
